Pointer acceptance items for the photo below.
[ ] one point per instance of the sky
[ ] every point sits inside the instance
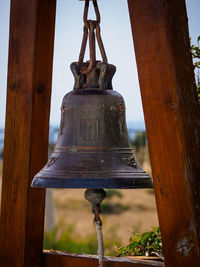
(117, 38)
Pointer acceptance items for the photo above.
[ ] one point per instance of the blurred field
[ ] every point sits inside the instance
(125, 213)
(136, 212)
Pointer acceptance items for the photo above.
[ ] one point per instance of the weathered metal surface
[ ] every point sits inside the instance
(91, 27)
(93, 149)
(95, 197)
(99, 77)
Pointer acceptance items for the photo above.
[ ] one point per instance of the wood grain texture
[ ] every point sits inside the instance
(55, 259)
(171, 111)
(26, 131)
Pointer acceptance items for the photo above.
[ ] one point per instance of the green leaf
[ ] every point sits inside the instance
(133, 245)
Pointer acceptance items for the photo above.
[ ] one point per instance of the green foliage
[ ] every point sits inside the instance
(1, 166)
(51, 148)
(110, 207)
(150, 191)
(139, 140)
(195, 49)
(113, 192)
(68, 241)
(196, 53)
(198, 85)
(1, 154)
(142, 244)
(113, 208)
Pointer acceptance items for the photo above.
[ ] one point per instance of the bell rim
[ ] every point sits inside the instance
(97, 183)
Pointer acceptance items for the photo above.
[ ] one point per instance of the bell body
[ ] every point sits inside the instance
(93, 149)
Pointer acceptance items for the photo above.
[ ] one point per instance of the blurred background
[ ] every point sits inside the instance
(68, 220)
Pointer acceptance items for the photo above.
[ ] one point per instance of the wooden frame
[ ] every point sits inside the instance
(26, 130)
(54, 259)
(171, 112)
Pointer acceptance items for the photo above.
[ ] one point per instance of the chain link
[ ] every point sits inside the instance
(89, 29)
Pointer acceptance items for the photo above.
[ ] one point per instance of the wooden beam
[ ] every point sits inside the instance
(171, 111)
(26, 131)
(55, 259)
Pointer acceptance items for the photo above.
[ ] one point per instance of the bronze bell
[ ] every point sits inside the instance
(93, 149)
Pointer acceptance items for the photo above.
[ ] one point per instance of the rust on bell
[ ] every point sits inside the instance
(131, 161)
(51, 161)
(121, 120)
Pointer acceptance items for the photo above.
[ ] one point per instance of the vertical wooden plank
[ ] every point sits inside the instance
(26, 131)
(162, 47)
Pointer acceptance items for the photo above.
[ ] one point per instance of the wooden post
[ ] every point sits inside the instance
(26, 132)
(162, 47)
(55, 259)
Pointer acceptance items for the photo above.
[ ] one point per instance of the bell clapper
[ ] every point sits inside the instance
(95, 197)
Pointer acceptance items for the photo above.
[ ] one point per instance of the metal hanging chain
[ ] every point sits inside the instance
(85, 16)
(90, 26)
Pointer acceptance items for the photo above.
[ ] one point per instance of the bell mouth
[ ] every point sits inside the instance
(92, 168)
(115, 183)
